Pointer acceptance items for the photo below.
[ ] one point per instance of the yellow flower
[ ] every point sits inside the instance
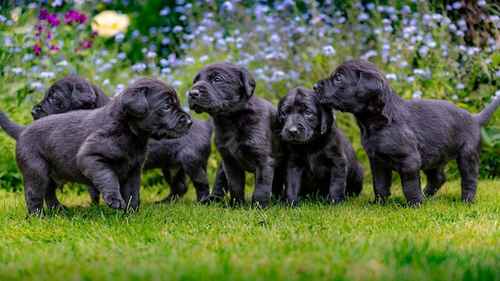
(15, 13)
(109, 23)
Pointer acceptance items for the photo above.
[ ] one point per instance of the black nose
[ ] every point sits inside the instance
(36, 111)
(194, 93)
(316, 87)
(184, 120)
(293, 131)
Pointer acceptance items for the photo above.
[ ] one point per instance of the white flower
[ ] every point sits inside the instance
(17, 70)
(47, 74)
(328, 51)
(417, 94)
(151, 54)
(497, 94)
(391, 76)
(203, 58)
(460, 86)
(139, 67)
(119, 88)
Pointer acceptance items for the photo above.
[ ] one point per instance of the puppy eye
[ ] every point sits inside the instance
(308, 113)
(338, 78)
(217, 78)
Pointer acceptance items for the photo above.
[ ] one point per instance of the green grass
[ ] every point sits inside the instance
(443, 240)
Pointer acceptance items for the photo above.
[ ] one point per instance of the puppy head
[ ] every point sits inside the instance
(152, 108)
(69, 93)
(301, 117)
(354, 87)
(221, 88)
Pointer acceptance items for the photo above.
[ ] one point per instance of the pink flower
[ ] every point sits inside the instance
(54, 48)
(37, 49)
(53, 20)
(73, 16)
(86, 44)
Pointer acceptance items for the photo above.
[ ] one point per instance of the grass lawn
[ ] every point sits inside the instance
(443, 240)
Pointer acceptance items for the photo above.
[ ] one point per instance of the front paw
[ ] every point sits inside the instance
(115, 201)
(212, 198)
(292, 202)
(334, 199)
(261, 201)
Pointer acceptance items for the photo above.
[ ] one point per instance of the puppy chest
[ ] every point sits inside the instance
(318, 166)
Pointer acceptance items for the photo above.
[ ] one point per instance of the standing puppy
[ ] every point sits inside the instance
(175, 157)
(406, 136)
(319, 155)
(104, 147)
(243, 132)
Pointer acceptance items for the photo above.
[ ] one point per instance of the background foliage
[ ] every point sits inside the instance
(442, 50)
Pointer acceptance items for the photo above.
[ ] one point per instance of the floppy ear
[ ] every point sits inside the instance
(134, 102)
(101, 98)
(88, 99)
(276, 122)
(327, 119)
(383, 98)
(248, 82)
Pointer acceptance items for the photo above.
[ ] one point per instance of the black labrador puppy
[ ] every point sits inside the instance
(320, 158)
(406, 135)
(243, 129)
(104, 147)
(175, 157)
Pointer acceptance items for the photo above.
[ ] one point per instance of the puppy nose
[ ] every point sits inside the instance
(36, 110)
(316, 87)
(293, 130)
(194, 93)
(185, 121)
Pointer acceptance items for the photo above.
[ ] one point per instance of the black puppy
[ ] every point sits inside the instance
(320, 158)
(69, 93)
(185, 155)
(104, 147)
(243, 133)
(406, 136)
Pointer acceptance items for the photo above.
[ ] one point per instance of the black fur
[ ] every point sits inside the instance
(175, 157)
(243, 133)
(406, 135)
(320, 158)
(104, 148)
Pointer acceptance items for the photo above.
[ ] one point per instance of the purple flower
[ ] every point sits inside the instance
(86, 44)
(54, 48)
(73, 16)
(44, 14)
(53, 20)
(37, 49)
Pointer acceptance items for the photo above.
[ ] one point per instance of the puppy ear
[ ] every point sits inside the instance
(327, 119)
(276, 121)
(134, 102)
(383, 98)
(248, 82)
(88, 99)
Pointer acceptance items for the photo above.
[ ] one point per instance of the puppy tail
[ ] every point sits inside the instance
(484, 116)
(11, 128)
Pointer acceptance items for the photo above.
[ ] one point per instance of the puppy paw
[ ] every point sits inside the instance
(115, 202)
(260, 201)
(292, 202)
(335, 200)
(415, 203)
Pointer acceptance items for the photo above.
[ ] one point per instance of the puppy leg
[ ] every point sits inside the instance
(293, 184)
(221, 185)
(280, 174)
(354, 184)
(338, 180)
(130, 190)
(263, 185)
(198, 176)
(468, 165)
(178, 186)
(51, 197)
(94, 195)
(103, 178)
(382, 177)
(36, 182)
(236, 178)
(435, 179)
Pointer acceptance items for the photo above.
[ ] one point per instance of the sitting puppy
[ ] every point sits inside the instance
(104, 147)
(406, 136)
(319, 155)
(243, 132)
(185, 155)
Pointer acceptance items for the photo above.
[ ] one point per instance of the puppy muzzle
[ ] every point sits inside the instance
(37, 112)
